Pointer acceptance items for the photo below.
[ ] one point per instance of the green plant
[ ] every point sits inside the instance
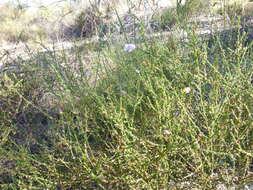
(171, 16)
(234, 11)
(192, 7)
(90, 22)
(163, 115)
(237, 12)
(167, 18)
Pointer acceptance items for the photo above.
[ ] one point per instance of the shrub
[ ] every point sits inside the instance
(232, 10)
(237, 13)
(171, 16)
(167, 18)
(162, 115)
(90, 22)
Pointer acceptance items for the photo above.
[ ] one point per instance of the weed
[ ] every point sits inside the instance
(150, 115)
(172, 16)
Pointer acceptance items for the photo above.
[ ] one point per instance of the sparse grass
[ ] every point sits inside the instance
(169, 17)
(158, 117)
(90, 22)
(16, 25)
(237, 11)
(21, 24)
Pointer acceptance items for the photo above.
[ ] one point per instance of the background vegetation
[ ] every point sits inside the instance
(164, 114)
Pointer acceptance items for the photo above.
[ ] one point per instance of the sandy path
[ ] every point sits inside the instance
(206, 24)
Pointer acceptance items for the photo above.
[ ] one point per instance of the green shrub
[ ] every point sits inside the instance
(90, 22)
(167, 18)
(232, 10)
(171, 16)
(160, 116)
(237, 12)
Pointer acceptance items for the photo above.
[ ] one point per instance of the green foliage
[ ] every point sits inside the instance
(17, 25)
(90, 22)
(237, 12)
(158, 117)
(192, 7)
(171, 16)
(167, 18)
(234, 11)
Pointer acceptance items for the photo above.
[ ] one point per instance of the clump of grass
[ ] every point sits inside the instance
(16, 25)
(237, 12)
(169, 17)
(233, 11)
(248, 10)
(91, 22)
(21, 24)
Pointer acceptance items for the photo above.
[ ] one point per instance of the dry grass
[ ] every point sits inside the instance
(27, 25)
(17, 25)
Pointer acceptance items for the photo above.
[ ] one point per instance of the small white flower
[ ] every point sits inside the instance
(129, 47)
(171, 182)
(166, 132)
(137, 71)
(214, 175)
(185, 40)
(87, 73)
(187, 90)
(221, 186)
(117, 27)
